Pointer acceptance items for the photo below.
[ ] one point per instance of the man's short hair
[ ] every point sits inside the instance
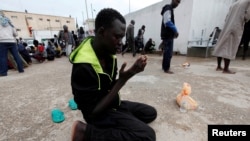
(106, 16)
(65, 26)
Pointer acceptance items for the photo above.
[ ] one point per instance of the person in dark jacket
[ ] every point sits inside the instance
(130, 38)
(96, 88)
(149, 47)
(245, 39)
(168, 33)
(23, 52)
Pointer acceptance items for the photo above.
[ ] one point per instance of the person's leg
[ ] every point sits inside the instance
(68, 50)
(25, 64)
(219, 68)
(226, 67)
(245, 47)
(3, 59)
(143, 112)
(14, 52)
(133, 48)
(116, 125)
(26, 57)
(125, 48)
(78, 131)
(167, 55)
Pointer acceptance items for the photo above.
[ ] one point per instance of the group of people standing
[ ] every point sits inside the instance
(168, 33)
(134, 43)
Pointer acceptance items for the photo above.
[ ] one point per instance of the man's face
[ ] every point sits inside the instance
(175, 3)
(112, 37)
(65, 28)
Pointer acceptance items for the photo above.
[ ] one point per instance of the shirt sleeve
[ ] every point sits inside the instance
(167, 21)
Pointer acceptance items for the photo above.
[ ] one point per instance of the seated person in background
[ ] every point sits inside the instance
(149, 47)
(58, 51)
(23, 52)
(39, 51)
(213, 37)
(50, 51)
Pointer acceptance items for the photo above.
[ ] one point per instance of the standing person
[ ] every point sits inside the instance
(81, 35)
(96, 89)
(230, 36)
(168, 33)
(66, 40)
(245, 39)
(130, 39)
(140, 38)
(8, 42)
(75, 37)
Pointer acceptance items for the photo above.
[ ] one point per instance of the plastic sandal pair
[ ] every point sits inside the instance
(58, 116)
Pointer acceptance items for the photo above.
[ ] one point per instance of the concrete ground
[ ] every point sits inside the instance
(28, 98)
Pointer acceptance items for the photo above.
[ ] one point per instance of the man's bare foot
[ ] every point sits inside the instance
(228, 72)
(78, 131)
(219, 69)
(169, 72)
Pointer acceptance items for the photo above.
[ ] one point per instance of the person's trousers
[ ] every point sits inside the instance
(12, 47)
(167, 53)
(127, 123)
(68, 50)
(131, 45)
(246, 44)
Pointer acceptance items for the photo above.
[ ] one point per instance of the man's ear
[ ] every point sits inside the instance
(100, 31)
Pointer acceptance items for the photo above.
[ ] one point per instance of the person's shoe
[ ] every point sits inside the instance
(21, 71)
(78, 131)
(169, 72)
(1, 75)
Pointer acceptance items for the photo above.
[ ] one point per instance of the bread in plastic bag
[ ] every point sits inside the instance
(184, 100)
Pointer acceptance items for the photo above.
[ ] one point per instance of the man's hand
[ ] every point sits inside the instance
(137, 67)
(176, 35)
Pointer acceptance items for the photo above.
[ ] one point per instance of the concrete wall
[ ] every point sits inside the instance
(151, 18)
(206, 15)
(195, 20)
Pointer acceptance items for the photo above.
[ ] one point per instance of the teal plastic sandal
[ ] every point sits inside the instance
(72, 104)
(57, 115)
